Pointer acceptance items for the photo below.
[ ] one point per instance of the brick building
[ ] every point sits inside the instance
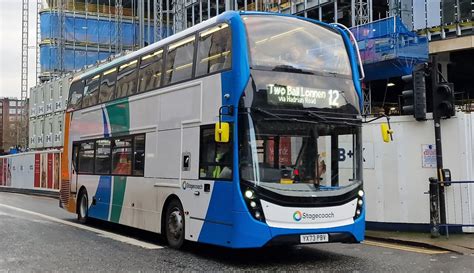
(10, 122)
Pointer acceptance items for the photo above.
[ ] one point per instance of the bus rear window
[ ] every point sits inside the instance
(290, 44)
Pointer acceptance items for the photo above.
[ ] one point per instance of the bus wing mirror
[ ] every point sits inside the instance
(222, 132)
(386, 132)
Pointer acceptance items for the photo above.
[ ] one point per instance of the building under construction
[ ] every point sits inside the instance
(76, 33)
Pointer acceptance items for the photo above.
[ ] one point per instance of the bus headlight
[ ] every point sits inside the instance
(249, 194)
(359, 204)
(253, 204)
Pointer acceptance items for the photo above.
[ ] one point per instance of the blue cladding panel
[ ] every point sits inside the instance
(79, 31)
(389, 49)
(101, 209)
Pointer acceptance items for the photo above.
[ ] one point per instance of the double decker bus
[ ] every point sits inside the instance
(242, 131)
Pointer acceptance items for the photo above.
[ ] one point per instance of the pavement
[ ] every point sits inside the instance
(459, 243)
(37, 192)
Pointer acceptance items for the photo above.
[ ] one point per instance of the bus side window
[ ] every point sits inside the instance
(214, 50)
(102, 156)
(122, 156)
(215, 159)
(107, 85)
(139, 155)
(149, 75)
(179, 61)
(127, 79)
(75, 95)
(91, 92)
(75, 154)
(86, 158)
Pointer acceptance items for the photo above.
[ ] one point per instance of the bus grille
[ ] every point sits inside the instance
(64, 193)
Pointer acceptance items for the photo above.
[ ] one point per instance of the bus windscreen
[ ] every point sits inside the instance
(289, 44)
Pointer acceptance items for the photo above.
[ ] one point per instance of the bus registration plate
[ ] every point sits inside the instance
(314, 238)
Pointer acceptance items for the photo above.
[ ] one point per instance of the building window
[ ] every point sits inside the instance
(12, 111)
(179, 61)
(215, 159)
(328, 13)
(214, 50)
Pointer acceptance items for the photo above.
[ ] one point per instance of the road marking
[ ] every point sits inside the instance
(101, 233)
(406, 248)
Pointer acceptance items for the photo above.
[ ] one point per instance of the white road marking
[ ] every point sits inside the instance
(101, 233)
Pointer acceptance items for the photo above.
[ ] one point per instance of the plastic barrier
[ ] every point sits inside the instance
(31, 170)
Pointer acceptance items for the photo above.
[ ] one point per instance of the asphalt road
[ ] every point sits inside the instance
(36, 235)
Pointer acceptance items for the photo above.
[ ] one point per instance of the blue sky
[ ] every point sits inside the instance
(10, 47)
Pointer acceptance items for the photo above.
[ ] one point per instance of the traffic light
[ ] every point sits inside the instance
(414, 95)
(443, 100)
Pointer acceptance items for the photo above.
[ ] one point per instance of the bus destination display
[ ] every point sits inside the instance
(308, 97)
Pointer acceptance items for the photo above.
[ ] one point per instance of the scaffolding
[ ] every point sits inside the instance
(22, 129)
(78, 33)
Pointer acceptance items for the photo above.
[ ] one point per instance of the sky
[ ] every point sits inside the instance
(10, 47)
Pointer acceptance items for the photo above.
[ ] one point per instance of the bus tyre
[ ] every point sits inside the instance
(83, 207)
(174, 225)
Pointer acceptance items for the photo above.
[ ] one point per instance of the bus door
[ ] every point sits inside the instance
(74, 176)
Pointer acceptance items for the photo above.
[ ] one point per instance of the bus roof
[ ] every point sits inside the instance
(222, 18)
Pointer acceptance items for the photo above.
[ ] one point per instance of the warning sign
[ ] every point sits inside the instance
(428, 156)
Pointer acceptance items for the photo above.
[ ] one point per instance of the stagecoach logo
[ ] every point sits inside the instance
(187, 185)
(298, 216)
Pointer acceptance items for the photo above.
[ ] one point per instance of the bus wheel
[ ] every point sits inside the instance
(175, 224)
(83, 209)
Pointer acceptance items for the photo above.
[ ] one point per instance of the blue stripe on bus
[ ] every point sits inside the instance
(102, 196)
(217, 227)
(104, 121)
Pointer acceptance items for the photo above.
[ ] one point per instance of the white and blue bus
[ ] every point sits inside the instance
(242, 131)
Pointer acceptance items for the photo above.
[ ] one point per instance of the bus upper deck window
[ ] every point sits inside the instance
(149, 75)
(91, 91)
(75, 95)
(214, 50)
(179, 61)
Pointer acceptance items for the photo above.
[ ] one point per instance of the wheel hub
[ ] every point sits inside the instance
(175, 224)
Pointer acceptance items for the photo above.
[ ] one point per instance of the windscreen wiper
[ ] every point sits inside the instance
(323, 120)
(290, 68)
